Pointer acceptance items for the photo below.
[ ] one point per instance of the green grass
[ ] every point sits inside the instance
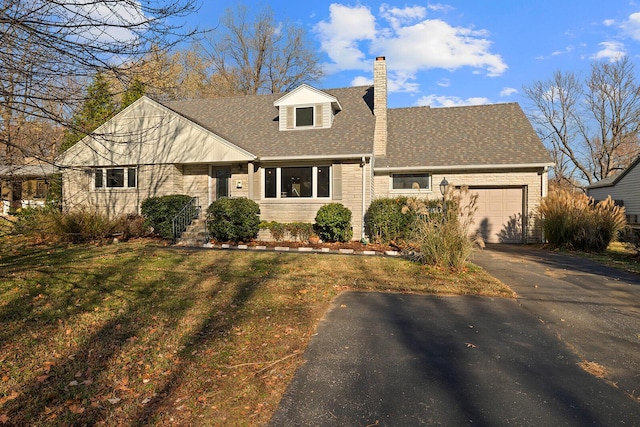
(143, 334)
(619, 255)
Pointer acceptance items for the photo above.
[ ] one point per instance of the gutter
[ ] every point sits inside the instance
(463, 167)
(313, 157)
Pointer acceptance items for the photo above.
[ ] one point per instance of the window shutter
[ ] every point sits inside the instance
(337, 181)
(257, 188)
(318, 116)
(290, 117)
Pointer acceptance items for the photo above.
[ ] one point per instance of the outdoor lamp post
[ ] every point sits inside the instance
(443, 188)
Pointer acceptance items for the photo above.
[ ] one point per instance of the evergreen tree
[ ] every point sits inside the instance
(98, 107)
(134, 92)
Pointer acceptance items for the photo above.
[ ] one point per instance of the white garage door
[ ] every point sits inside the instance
(499, 215)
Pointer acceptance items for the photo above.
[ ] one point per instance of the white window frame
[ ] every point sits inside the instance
(314, 182)
(104, 186)
(410, 190)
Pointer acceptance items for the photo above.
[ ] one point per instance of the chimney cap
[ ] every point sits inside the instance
(380, 58)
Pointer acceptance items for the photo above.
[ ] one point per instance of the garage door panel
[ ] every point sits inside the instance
(498, 216)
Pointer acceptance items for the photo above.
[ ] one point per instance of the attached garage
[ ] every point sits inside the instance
(499, 217)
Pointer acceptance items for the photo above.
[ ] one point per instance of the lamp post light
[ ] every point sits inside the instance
(443, 188)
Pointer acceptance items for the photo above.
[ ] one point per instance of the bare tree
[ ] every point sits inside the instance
(591, 127)
(50, 49)
(260, 55)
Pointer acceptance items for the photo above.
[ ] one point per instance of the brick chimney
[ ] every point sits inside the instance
(380, 106)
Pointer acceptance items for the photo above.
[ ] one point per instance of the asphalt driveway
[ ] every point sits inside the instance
(396, 359)
(593, 309)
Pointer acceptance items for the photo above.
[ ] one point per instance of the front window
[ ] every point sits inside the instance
(115, 178)
(411, 181)
(308, 182)
(41, 189)
(304, 116)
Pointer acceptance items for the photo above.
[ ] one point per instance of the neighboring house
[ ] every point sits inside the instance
(623, 187)
(294, 152)
(24, 185)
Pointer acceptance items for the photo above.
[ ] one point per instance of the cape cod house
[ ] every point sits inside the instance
(294, 152)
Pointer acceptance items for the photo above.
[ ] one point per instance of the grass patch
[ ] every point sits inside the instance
(139, 334)
(620, 255)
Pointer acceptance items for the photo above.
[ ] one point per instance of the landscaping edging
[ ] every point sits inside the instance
(303, 249)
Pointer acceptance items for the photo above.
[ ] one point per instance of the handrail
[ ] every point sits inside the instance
(187, 214)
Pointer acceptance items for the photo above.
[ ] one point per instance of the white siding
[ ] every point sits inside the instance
(627, 190)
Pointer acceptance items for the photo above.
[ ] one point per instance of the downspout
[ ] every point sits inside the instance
(363, 164)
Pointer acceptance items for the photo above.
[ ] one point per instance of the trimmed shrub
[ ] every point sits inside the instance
(333, 223)
(160, 211)
(277, 229)
(385, 221)
(234, 220)
(578, 222)
(300, 230)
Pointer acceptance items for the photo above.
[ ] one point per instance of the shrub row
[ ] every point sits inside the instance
(332, 224)
(80, 225)
(294, 230)
(578, 222)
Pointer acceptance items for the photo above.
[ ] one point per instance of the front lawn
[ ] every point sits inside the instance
(138, 333)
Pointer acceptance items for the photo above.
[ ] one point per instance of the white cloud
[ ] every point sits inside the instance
(632, 26)
(109, 22)
(340, 36)
(398, 17)
(439, 7)
(508, 91)
(611, 51)
(362, 81)
(608, 22)
(415, 43)
(564, 51)
(450, 101)
(444, 83)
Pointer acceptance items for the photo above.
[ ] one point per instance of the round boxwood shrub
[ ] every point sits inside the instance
(333, 223)
(385, 222)
(235, 220)
(160, 211)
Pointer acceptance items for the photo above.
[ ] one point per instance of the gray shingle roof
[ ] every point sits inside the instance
(497, 134)
(27, 171)
(251, 122)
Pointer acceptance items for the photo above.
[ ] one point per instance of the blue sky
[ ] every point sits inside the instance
(456, 52)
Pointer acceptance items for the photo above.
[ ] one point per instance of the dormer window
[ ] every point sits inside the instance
(306, 108)
(304, 116)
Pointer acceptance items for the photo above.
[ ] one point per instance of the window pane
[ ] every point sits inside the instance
(115, 177)
(270, 182)
(41, 189)
(296, 182)
(408, 181)
(131, 177)
(304, 116)
(323, 181)
(98, 178)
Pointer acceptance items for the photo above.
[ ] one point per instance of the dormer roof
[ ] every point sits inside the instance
(305, 95)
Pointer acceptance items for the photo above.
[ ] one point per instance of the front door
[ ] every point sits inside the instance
(223, 177)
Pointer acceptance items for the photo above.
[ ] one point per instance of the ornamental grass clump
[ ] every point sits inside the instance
(579, 222)
(440, 237)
